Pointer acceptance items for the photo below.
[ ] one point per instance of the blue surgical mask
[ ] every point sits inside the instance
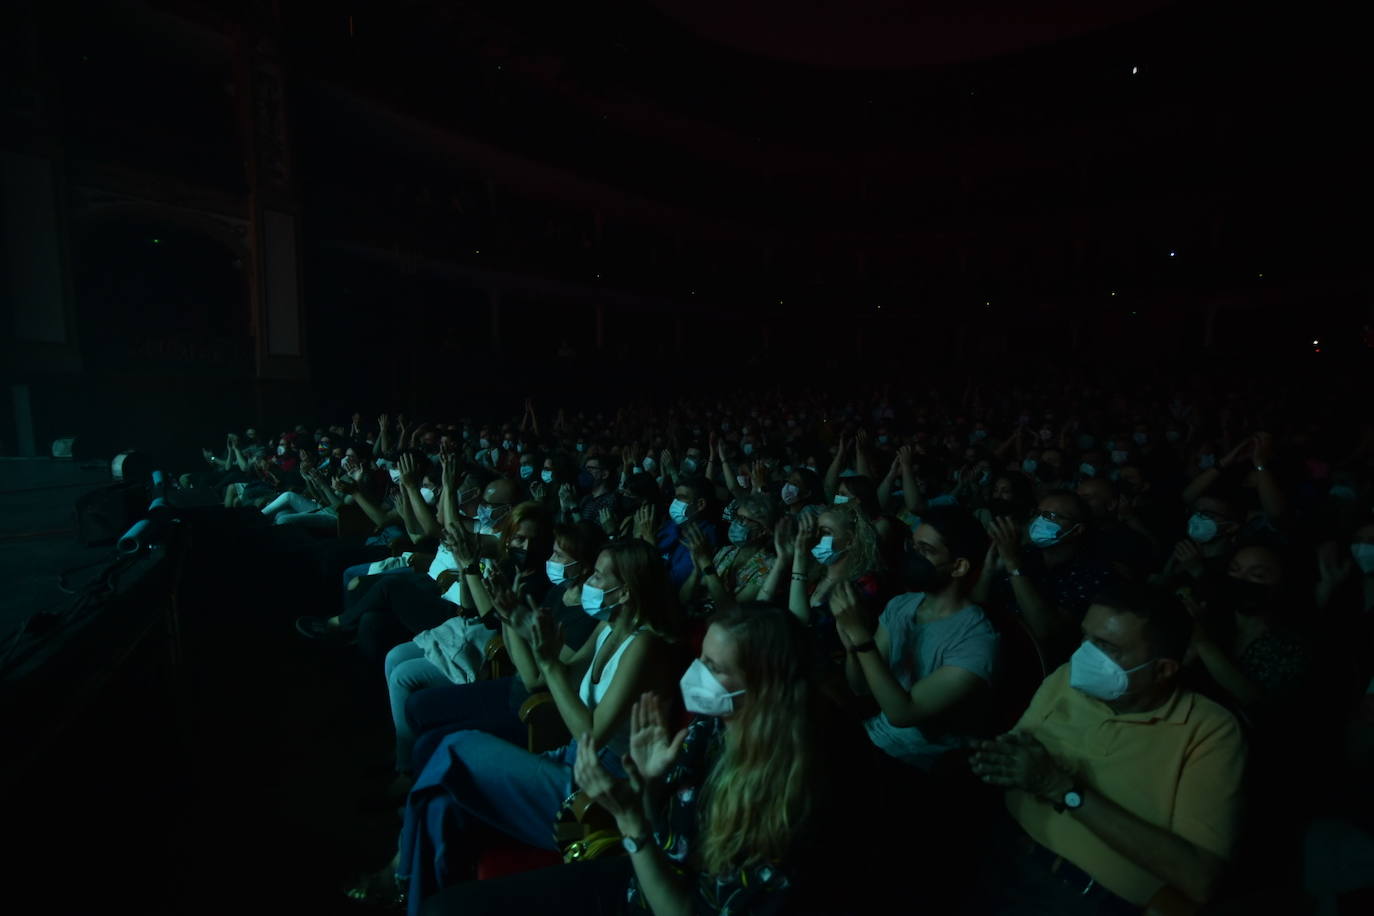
(557, 572)
(1029, 465)
(747, 448)
(594, 601)
(1140, 438)
(581, 446)
(1087, 470)
(1201, 529)
(739, 533)
(1207, 461)
(1045, 533)
(546, 475)
(882, 440)
(1364, 557)
(841, 499)
(1120, 456)
(677, 511)
(1343, 491)
(690, 465)
(825, 552)
(526, 471)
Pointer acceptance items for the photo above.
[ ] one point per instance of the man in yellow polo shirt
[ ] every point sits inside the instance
(1122, 782)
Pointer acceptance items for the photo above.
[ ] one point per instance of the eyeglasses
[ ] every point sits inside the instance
(1056, 517)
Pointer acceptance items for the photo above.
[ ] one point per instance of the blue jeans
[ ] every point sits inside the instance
(490, 706)
(477, 779)
(408, 672)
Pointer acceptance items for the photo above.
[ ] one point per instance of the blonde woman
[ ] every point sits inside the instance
(840, 545)
(715, 817)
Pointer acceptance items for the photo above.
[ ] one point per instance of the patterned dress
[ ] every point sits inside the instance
(759, 889)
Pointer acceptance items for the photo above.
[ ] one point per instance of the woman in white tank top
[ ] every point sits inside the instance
(475, 777)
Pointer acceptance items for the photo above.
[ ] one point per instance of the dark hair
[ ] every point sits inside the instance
(961, 531)
(701, 489)
(583, 542)
(811, 483)
(1168, 626)
(1081, 510)
(864, 490)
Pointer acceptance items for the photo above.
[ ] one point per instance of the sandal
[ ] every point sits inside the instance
(379, 889)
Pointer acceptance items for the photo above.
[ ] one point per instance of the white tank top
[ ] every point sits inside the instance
(592, 694)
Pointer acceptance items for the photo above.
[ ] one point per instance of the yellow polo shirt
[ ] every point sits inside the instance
(1178, 767)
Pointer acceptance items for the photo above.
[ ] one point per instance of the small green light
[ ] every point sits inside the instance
(157, 241)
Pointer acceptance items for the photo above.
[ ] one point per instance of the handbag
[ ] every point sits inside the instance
(583, 830)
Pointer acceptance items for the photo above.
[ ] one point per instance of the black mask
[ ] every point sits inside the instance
(921, 575)
(519, 557)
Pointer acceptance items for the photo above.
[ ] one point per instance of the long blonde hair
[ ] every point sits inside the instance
(863, 555)
(759, 791)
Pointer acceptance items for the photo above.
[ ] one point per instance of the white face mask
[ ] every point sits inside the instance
(1201, 529)
(703, 695)
(594, 601)
(790, 493)
(546, 475)
(557, 572)
(1095, 673)
(678, 511)
(281, 450)
(825, 552)
(650, 464)
(427, 495)
(1364, 557)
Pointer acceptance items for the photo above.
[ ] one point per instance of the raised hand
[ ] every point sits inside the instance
(849, 618)
(409, 476)
(652, 747)
(697, 545)
(449, 471)
(783, 535)
(644, 522)
(383, 422)
(1006, 538)
(545, 638)
(808, 533)
(619, 798)
(567, 497)
(607, 520)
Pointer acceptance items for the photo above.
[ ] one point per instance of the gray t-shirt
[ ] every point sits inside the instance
(965, 640)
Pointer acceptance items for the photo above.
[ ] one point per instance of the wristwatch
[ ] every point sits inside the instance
(866, 646)
(633, 845)
(1072, 800)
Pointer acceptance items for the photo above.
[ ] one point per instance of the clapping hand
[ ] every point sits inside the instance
(1016, 760)
(697, 546)
(567, 497)
(409, 475)
(644, 522)
(848, 613)
(545, 638)
(652, 747)
(808, 533)
(1006, 538)
(783, 534)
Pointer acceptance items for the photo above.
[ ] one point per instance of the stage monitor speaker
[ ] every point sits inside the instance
(134, 467)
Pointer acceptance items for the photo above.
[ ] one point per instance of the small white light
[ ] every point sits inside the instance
(477, 252)
(1261, 276)
(1171, 254)
(987, 303)
(1113, 292)
(1315, 342)
(1135, 70)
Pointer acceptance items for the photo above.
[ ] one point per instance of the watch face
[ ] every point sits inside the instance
(630, 845)
(1072, 799)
